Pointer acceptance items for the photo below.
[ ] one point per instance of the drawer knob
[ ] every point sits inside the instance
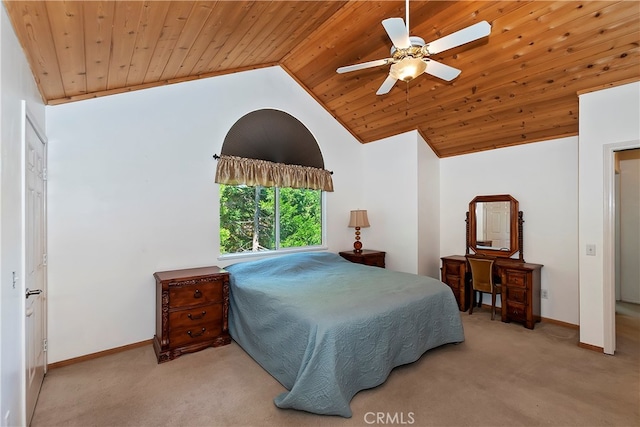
(197, 294)
(196, 317)
(192, 335)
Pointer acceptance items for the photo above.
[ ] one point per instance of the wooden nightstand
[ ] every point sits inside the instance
(192, 308)
(366, 257)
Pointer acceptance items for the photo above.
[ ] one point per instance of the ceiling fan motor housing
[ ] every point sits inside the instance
(415, 50)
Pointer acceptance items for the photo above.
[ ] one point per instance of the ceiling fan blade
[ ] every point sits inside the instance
(466, 35)
(363, 65)
(441, 70)
(397, 32)
(386, 85)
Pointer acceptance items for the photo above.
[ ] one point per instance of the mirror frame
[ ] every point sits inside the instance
(472, 239)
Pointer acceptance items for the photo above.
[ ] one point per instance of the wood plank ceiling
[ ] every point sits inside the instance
(519, 85)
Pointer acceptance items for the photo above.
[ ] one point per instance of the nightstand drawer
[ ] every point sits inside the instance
(198, 333)
(194, 317)
(366, 256)
(374, 261)
(190, 295)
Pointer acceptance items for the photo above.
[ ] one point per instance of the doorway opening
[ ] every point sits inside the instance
(627, 233)
(611, 237)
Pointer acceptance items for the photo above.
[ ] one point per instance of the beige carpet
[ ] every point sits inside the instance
(502, 375)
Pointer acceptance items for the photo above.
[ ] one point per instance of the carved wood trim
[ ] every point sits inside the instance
(165, 318)
(225, 305)
(520, 238)
(193, 281)
(467, 234)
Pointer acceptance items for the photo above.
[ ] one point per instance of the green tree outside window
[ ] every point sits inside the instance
(254, 219)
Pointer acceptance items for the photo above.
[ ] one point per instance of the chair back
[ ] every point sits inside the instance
(481, 274)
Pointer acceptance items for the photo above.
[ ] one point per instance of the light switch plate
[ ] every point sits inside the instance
(591, 250)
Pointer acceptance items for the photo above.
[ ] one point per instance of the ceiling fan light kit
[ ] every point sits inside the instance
(410, 55)
(407, 69)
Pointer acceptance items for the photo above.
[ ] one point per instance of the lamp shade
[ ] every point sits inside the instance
(408, 68)
(359, 219)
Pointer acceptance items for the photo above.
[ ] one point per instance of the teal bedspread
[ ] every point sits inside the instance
(327, 328)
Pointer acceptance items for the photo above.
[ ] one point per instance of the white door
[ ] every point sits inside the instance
(34, 217)
(497, 223)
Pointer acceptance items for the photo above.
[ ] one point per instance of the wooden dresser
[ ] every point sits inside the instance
(520, 299)
(192, 308)
(366, 257)
(454, 273)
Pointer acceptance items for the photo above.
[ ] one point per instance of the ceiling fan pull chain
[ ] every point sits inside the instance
(406, 111)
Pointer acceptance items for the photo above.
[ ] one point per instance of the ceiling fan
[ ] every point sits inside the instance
(410, 55)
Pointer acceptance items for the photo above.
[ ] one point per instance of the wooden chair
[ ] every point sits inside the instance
(482, 281)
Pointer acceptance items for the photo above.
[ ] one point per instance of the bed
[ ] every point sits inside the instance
(326, 328)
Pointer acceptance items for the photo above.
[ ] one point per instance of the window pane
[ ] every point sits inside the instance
(246, 219)
(300, 217)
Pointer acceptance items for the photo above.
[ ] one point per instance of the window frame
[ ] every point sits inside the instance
(279, 251)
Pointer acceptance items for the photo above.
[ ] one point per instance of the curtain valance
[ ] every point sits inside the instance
(234, 170)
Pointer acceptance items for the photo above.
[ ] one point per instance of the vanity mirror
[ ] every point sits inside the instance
(494, 226)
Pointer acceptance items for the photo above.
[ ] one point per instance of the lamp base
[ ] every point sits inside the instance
(357, 246)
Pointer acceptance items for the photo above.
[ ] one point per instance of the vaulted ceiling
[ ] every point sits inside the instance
(518, 85)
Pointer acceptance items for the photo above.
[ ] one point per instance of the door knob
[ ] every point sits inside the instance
(34, 292)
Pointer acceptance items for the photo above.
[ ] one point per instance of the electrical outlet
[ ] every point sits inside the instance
(544, 294)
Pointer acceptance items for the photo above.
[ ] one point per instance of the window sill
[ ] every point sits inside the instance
(264, 254)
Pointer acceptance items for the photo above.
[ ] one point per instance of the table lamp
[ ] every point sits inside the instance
(358, 219)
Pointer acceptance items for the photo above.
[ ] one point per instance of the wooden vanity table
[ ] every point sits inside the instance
(497, 220)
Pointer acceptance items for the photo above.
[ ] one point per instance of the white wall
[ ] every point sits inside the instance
(543, 177)
(16, 84)
(131, 192)
(390, 175)
(609, 119)
(428, 211)
(402, 182)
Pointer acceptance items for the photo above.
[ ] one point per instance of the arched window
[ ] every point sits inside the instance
(272, 177)
(273, 149)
